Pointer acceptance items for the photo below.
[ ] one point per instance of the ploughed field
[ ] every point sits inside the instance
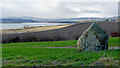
(53, 33)
(37, 53)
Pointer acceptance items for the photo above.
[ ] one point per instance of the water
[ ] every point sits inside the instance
(21, 25)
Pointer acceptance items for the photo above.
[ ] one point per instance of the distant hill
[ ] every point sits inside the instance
(52, 20)
(17, 20)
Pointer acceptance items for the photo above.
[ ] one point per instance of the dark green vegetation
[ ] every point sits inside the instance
(32, 53)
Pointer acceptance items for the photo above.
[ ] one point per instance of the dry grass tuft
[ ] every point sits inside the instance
(103, 61)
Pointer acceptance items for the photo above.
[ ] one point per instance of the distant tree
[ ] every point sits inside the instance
(113, 19)
(107, 20)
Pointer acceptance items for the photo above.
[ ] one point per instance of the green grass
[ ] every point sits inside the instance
(113, 42)
(32, 53)
(42, 44)
(0, 55)
(53, 56)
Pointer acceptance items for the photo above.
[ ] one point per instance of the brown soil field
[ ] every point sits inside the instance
(72, 32)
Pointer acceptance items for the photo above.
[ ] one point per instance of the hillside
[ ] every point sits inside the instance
(49, 20)
(68, 33)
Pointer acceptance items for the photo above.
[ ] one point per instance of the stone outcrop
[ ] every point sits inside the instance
(93, 39)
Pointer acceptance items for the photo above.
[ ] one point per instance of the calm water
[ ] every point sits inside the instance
(21, 25)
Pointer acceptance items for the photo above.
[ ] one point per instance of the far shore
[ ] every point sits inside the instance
(33, 29)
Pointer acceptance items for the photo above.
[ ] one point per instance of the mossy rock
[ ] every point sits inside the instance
(93, 39)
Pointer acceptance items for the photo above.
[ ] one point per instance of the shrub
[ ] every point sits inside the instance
(115, 34)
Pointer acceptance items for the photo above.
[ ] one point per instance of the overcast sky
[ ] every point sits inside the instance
(59, 9)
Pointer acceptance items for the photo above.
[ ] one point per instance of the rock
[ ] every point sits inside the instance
(93, 39)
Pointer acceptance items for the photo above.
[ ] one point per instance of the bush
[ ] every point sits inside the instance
(115, 34)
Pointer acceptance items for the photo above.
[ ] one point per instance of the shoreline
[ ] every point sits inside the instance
(33, 29)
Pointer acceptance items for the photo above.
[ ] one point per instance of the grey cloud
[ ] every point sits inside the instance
(90, 11)
(62, 9)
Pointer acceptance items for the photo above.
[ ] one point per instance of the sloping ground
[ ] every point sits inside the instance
(68, 33)
(33, 29)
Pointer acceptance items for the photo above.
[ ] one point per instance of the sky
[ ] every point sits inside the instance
(59, 9)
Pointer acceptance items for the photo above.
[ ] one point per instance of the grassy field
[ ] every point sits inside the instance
(113, 42)
(32, 53)
(52, 56)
